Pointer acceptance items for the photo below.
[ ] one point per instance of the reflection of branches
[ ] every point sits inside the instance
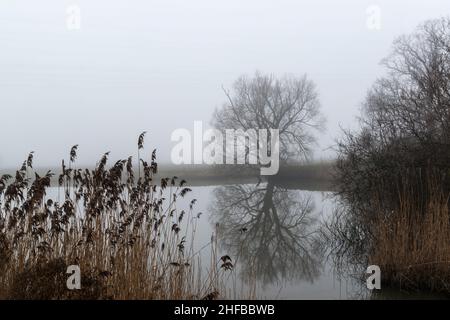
(269, 230)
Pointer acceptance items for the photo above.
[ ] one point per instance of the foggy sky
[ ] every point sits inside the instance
(160, 65)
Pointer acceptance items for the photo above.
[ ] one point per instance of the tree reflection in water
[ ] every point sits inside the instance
(269, 230)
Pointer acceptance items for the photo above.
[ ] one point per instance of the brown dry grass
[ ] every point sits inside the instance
(412, 244)
(126, 233)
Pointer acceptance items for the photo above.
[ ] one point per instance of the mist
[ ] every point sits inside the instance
(158, 66)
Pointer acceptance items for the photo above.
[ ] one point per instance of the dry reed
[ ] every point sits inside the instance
(125, 232)
(412, 243)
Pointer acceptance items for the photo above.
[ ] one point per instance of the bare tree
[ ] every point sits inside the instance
(413, 100)
(404, 141)
(406, 120)
(289, 104)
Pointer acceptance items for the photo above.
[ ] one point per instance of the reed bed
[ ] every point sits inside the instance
(412, 244)
(122, 229)
(409, 240)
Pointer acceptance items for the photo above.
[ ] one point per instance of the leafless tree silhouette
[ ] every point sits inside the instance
(406, 121)
(289, 104)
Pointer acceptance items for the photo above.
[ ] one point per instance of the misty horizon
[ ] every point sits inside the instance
(158, 67)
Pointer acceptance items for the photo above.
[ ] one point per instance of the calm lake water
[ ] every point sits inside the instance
(270, 233)
(276, 254)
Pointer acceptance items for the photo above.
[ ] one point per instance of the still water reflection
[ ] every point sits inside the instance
(271, 234)
(271, 230)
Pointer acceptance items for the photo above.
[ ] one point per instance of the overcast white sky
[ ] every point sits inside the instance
(160, 65)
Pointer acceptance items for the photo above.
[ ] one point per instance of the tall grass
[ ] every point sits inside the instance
(126, 234)
(409, 238)
(412, 243)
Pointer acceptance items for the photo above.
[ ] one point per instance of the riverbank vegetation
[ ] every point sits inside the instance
(393, 176)
(127, 234)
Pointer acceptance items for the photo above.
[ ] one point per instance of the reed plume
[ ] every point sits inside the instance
(128, 236)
